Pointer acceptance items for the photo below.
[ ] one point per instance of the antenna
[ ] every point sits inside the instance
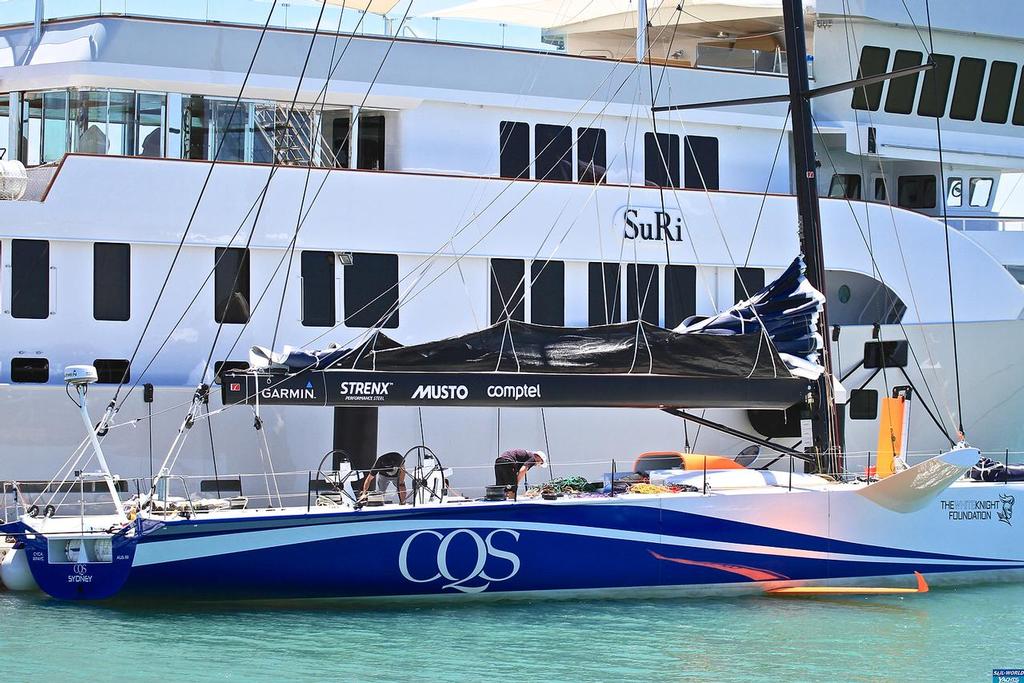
(80, 377)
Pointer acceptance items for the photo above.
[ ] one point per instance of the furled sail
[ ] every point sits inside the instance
(771, 334)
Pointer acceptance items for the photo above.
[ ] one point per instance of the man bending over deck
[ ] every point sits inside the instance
(388, 469)
(510, 467)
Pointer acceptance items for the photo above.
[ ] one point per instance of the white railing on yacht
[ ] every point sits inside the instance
(988, 223)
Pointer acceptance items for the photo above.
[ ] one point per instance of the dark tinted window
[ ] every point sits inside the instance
(863, 404)
(997, 96)
(858, 299)
(604, 294)
(30, 278)
(935, 90)
(591, 151)
(661, 159)
(514, 142)
(873, 61)
(547, 292)
(340, 141)
(700, 157)
(900, 97)
(371, 142)
(1018, 105)
(112, 371)
(35, 370)
(642, 300)
(746, 282)
(508, 287)
(225, 366)
(845, 186)
(916, 191)
(554, 152)
(318, 288)
(680, 294)
(111, 281)
(968, 89)
(231, 285)
(371, 291)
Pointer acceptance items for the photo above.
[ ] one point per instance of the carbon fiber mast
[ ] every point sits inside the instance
(823, 411)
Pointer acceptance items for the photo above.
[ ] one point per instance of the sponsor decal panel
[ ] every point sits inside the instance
(441, 392)
(447, 554)
(999, 509)
(515, 392)
(286, 393)
(366, 391)
(80, 575)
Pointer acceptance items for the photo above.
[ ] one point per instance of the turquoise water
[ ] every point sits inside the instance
(945, 635)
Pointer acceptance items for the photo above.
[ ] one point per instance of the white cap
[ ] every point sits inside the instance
(543, 458)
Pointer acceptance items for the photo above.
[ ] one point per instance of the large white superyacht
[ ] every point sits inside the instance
(433, 169)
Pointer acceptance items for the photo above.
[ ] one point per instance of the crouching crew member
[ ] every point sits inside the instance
(510, 467)
(389, 469)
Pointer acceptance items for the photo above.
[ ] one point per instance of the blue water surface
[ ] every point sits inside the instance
(945, 635)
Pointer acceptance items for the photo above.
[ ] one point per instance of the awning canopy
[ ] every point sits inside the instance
(557, 13)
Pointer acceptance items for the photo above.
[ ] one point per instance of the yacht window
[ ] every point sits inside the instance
(591, 146)
(547, 292)
(642, 296)
(858, 299)
(231, 285)
(104, 122)
(680, 294)
(746, 282)
(5, 125)
(554, 152)
(35, 370)
(112, 371)
(318, 289)
(955, 192)
(1018, 105)
(700, 162)
(873, 62)
(981, 190)
(371, 291)
(845, 186)
(514, 146)
(967, 90)
(340, 141)
(152, 113)
(997, 95)
(880, 192)
(30, 279)
(196, 128)
(916, 191)
(604, 300)
(371, 142)
(508, 289)
(111, 281)
(224, 366)
(1017, 272)
(661, 160)
(44, 127)
(935, 90)
(899, 99)
(863, 404)
(228, 122)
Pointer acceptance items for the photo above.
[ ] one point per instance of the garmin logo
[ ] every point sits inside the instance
(445, 392)
(514, 392)
(365, 391)
(288, 394)
(656, 226)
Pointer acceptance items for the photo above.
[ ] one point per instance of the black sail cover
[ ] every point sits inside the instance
(766, 343)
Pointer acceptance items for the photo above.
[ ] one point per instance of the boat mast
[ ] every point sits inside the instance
(823, 409)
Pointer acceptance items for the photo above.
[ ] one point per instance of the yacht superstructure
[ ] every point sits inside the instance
(424, 174)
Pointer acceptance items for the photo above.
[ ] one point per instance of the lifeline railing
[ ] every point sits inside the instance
(308, 490)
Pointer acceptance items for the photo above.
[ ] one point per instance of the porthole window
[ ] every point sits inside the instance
(844, 294)
(954, 192)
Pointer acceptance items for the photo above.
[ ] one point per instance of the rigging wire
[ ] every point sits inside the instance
(195, 207)
(945, 224)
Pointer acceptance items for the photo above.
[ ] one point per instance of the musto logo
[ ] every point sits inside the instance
(365, 391)
(460, 558)
(81, 574)
(441, 392)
